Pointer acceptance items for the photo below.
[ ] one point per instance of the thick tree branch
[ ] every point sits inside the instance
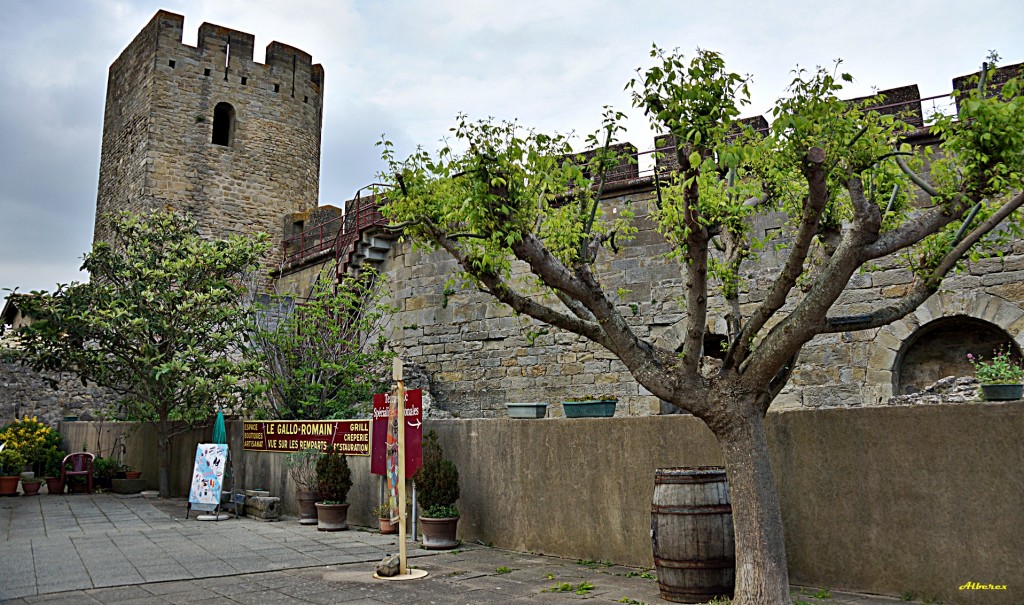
(575, 306)
(916, 178)
(810, 315)
(814, 205)
(916, 229)
(521, 304)
(924, 288)
(866, 215)
(696, 272)
(652, 366)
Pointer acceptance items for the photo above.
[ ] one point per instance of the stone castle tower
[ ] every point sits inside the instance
(206, 130)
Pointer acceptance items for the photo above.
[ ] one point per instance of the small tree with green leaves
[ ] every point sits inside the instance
(324, 357)
(161, 322)
(437, 481)
(843, 175)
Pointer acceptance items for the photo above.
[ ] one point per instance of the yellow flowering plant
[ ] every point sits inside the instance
(32, 439)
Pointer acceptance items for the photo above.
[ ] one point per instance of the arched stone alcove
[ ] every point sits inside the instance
(941, 321)
(940, 349)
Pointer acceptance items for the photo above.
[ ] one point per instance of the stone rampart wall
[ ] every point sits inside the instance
(480, 356)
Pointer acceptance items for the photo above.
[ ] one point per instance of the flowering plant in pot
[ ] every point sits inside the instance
(334, 480)
(383, 513)
(11, 463)
(437, 489)
(302, 469)
(1000, 378)
(32, 439)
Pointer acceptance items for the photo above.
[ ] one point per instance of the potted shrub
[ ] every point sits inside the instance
(11, 463)
(383, 513)
(103, 470)
(334, 480)
(590, 406)
(1000, 378)
(437, 489)
(302, 469)
(54, 481)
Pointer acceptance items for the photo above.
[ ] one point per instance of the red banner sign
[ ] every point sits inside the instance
(352, 437)
(413, 432)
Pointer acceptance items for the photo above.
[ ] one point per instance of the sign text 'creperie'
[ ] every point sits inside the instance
(351, 437)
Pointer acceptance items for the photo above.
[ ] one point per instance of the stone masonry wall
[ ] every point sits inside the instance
(480, 356)
(24, 392)
(159, 121)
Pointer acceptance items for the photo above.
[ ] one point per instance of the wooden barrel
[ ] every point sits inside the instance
(692, 534)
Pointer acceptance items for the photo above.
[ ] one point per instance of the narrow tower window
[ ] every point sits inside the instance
(223, 124)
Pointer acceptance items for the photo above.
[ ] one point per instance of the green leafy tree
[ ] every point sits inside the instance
(324, 357)
(515, 195)
(161, 322)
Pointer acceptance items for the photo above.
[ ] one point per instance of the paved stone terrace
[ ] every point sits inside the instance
(121, 550)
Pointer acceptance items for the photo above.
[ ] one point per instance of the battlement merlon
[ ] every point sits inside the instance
(288, 58)
(216, 39)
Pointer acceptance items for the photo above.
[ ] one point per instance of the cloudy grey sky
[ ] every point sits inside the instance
(406, 68)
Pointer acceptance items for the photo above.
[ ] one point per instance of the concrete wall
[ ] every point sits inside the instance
(920, 499)
(141, 453)
(255, 470)
(883, 500)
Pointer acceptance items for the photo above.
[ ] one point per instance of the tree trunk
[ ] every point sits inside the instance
(164, 444)
(762, 577)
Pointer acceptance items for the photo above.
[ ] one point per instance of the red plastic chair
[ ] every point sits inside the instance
(80, 464)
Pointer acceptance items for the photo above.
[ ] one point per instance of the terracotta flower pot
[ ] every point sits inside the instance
(133, 474)
(9, 485)
(54, 486)
(31, 488)
(331, 517)
(386, 526)
(307, 506)
(439, 534)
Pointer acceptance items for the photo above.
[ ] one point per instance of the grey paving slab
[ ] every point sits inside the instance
(118, 594)
(117, 551)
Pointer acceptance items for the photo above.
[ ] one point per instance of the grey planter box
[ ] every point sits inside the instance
(597, 408)
(1002, 392)
(527, 410)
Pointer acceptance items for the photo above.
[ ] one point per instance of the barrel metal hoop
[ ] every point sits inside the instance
(695, 564)
(677, 594)
(664, 476)
(706, 509)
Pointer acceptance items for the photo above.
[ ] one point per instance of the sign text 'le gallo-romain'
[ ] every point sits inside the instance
(351, 437)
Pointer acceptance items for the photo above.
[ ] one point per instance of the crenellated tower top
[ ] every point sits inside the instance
(207, 130)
